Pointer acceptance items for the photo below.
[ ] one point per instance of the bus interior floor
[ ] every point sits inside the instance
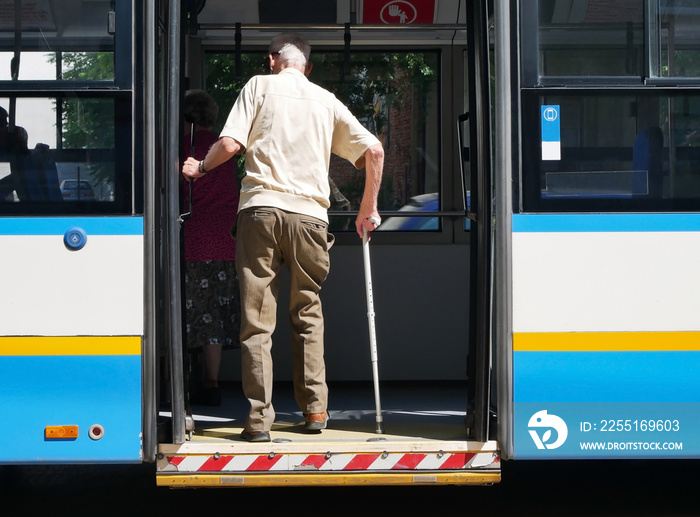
(409, 411)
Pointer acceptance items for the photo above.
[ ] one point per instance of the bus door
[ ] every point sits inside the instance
(478, 201)
(605, 232)
(71, 235)
(415, 74)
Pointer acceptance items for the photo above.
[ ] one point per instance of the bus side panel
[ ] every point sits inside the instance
(51, 289)
(606, 338)
(71, 339)
(98, 395)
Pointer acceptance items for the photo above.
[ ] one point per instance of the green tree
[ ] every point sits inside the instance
(88, 123)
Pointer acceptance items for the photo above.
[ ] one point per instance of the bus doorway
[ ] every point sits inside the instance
(422, 88)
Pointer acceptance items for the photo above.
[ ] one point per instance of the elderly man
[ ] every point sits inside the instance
(288, 128)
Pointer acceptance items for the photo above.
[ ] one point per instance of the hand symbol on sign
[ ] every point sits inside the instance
(395, 10)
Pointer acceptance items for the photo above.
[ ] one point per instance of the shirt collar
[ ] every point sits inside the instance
(291, 70)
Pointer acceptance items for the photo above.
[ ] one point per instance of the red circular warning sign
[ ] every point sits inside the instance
(398, 12)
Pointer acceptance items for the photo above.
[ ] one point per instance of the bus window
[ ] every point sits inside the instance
(47, 32)
(66, 133)
(637, 151)
(675, 41)
(631, 40)
(52, 66)
(590, 38)
(50, 156)
(395, 95)
(623, 133)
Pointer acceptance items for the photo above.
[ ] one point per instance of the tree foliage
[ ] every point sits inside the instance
(373, 78)
(88, 123)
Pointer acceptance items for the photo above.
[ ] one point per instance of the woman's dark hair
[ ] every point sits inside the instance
(200, 108)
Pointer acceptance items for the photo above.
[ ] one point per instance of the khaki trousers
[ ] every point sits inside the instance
(267, 238)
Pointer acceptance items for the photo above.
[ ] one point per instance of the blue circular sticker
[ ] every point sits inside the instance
(75, 238)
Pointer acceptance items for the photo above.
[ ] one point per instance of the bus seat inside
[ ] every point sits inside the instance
(647, 156)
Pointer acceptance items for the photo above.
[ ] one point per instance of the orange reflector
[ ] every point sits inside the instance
(57, 432)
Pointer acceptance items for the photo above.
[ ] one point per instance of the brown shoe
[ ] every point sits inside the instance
(255, 436)
(315, 422)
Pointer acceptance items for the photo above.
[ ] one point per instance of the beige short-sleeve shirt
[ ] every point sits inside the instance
(289, 127)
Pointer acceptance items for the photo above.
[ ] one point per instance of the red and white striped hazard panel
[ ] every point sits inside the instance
(329, 462)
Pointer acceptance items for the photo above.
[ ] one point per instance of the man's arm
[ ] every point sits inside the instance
(223, 150)
(374, 166)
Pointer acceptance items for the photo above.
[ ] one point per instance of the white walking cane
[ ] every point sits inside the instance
(370, 317)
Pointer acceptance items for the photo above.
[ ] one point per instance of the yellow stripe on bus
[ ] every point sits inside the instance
(70, 345)
(606, 341)
(327, 479)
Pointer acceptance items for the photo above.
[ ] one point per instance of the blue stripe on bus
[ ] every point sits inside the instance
(606, 376)
(613, 404)
(607, 430)
(130, 225)
(41, 391)
(606, 222)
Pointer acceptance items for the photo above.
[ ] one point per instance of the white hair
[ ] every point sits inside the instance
(292, 55)
(292, 48)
